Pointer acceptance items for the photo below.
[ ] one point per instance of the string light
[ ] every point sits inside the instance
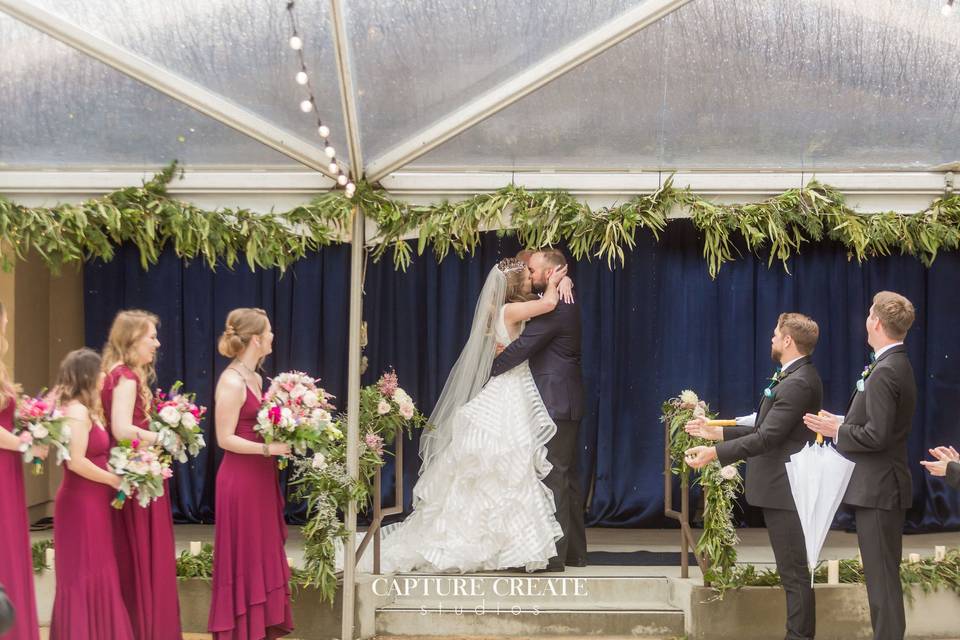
(303, 78)
(947, 8)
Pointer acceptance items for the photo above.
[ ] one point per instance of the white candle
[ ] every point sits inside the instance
(939, 553)
(833, 572)
(195, 547)
(48, 557)
(914, 558)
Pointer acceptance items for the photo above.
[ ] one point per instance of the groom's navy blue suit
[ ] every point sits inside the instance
(551, 344)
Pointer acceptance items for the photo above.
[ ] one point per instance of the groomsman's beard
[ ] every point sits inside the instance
(776, 356)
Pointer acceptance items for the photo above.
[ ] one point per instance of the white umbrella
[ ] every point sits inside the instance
(818, 476)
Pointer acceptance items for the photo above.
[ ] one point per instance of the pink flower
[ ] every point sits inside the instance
(167, 473)
(274, 414)
(388, 383)
(383, 407)
(25, 437)
(729, 472)
(135, 444)
(406, 410)
(374, 442)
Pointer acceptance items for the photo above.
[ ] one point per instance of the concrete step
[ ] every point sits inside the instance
(530, 622)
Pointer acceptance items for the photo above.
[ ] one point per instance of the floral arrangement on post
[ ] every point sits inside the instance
(386, 410)
(142, 471)
(296, 411)
(720, 488)
(40, 423)
(176, 417)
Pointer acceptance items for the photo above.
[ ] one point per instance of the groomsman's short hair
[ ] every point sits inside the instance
(803, 329)
(554, 257)
(896, 314)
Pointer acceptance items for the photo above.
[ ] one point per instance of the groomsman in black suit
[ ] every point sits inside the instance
(873, 434)
(767, 442)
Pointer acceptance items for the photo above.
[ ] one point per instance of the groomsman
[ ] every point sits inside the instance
(873, 434)
(767, 440)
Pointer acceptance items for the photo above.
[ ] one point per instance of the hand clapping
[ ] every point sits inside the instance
(944, 456)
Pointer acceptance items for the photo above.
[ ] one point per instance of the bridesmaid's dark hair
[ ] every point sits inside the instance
(79, 379)
(241, 325)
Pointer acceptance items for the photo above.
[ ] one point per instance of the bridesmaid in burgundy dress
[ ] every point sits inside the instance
(251, 579)
(143, 537)
(88, 603)
(16, 572)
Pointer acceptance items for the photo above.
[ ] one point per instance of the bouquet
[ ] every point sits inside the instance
(39, 422)
(176, 417)
(295, 411)
(142, 471)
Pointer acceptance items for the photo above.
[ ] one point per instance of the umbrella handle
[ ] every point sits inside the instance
(721, 423)
(819, 438)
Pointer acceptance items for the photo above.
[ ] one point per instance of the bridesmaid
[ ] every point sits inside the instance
(143, 536)
(88, 604)
(16, 572)
(251, 578)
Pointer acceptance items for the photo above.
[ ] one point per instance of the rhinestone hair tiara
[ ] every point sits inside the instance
(509, 265)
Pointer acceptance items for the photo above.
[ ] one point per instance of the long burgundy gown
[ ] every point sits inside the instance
(251, 578)
(144, 543)
(16, 570)
(88, 603)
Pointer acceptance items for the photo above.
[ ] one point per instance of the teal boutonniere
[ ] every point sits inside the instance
(774, 381)
(867, 370)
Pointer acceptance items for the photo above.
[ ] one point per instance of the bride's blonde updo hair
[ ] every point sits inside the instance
(242, 324)
(516, 273)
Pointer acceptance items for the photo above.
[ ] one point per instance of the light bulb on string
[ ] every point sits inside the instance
(342, 180)
(330, 151)
(324, 131)
(296, 43)
(334, 167)
(306, 106)
(302, 77)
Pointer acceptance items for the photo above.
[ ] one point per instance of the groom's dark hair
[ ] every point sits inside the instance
(554, 257)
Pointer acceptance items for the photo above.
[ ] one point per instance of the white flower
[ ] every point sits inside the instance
(188, 421)
(65, 432)
(320, 417)
(689, 397)
(319, 461)
(333, 432)
(170, 415)
(729, 472)
(286, 414)
(311, 399)
(400, 397)
(406, 410)
(39, 431)
(298, 391)
(263, 416)
(383, 408)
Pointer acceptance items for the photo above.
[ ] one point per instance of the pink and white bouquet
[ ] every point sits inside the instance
(40, 422)
(176, 417)
(142, 471)
(296, 411)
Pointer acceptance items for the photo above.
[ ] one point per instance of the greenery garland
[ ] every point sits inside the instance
(149, 219)
(720, 488)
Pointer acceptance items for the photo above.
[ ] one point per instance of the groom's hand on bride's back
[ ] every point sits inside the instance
(500, 348)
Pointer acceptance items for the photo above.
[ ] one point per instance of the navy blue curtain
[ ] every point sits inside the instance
(652, 328)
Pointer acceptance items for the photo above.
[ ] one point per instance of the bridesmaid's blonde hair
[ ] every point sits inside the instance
(241, 325)
(8, 391)
(128, 327)
(77, 380)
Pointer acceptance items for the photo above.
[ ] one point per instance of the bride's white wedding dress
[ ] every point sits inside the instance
(481, 504)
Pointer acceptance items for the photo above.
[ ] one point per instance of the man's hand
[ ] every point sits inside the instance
(500, 348)
(937, 468)
(944, 456)
(826, 424)
(699, 429)
(698, 457)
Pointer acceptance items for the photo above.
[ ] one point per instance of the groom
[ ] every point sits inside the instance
(551, 344)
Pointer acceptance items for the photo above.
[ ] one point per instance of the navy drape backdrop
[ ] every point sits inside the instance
(650, 329)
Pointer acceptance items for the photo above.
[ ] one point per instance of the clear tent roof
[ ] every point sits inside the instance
(751, 84)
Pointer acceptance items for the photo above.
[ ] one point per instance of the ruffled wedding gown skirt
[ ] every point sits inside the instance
(481, 505)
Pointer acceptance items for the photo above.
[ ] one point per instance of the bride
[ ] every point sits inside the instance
(480, 503)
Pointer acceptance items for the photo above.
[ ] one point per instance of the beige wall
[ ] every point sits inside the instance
(46, 321)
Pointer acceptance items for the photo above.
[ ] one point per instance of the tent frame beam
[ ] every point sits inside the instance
(524, 83)
(171, 84)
